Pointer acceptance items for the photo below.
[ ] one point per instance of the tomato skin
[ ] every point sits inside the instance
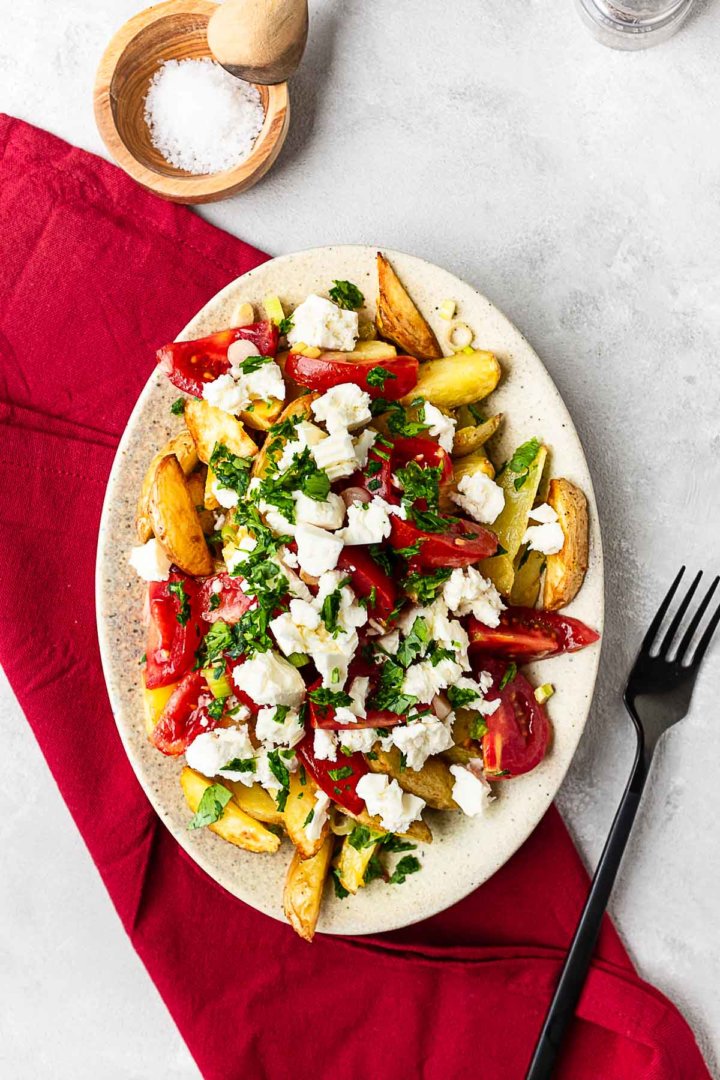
(323, 716)
(233, 603)
(171, 647)
(449, 548)
(366, 575)
(333, 368)
(343, 792)
(519, 730)
(189, 365)
(527, 634)
(426, 452)
(184, 717)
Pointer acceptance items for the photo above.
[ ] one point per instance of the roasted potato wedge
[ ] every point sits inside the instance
(418, 830)
(304, 886)
(263, 414)
(398, 319)
(299, 407)
(196, 485)
(235, 825)
(300, 801)
(256, 802)
(433, 783)
(351, 865)
(526, 583)
(183, 447)
(210, 426)
(512, 522)
(471, 438)
(175, 520)
(456, 380)
(565, 572)
(154, 701)
(373, 350)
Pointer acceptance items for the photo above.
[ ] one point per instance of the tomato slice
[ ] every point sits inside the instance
(366, 575)
(333, 368)
(425, 452)
(184, 717)
(342, 789)
(375, 478)
(191, 364)
(324, 716)
(519, 730)
(530, 634)
(171, 645)
(464, 542)
(222, 597)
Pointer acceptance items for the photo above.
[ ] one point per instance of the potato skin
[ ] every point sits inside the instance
(209, 425)
(299, 407)
(175, 520)
(433, 783)
(470, 438)
(300, 800)
(565, 572)
(304, 884)
(453, 381)
(235, 825)
(182, 446)
(398, 319)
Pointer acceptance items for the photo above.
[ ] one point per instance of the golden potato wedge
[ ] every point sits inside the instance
(196, 485)
(256, 802)
(154, 701)
(565, 572)
(417, 830)
(398, 319)
(183, 447)
(512, 522)
(351, 865)
(433, 783)
(210, 426)
(456, 380)
(175, 520)
(300, 801)
(235, 825)
(299, 407)
(373, 350)
(262, 414)
(471, 438)
(526, 583)
(304, 886)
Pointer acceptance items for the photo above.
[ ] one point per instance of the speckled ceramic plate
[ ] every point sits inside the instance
(465, 852)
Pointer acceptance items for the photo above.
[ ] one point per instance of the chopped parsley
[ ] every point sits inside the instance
(237, 764)
(396, 843)
(461, 696)
(329, 698)
(281, 773)
(509, 675)
(346, 295)
(303, 475)
(340, 891)
(362, 837)
(425, 587)
(409, 864)
(421, 495)
(330, 609)
(415, 643)
(285, 325)
(521, 461)
(211, 806)
(280, 715)
(476, 414)
(214, 601)
(398, 420)
(216, 708)
(177, 588)
(310, 816)
(230, 471)
(381, 556)
(253, 364)
(377, 376)
(478, 727)
(343, 773)
(178, 406)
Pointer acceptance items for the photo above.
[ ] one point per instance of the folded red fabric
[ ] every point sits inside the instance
(95, 275)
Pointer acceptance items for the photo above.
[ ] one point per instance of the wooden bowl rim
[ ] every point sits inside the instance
(190, 188)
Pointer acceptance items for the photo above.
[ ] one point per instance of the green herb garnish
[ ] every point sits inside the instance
(211, 806)
(346, 295)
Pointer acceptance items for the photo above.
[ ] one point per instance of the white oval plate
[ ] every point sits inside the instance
(465, 852)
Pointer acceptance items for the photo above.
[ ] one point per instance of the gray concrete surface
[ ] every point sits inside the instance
(580, 189)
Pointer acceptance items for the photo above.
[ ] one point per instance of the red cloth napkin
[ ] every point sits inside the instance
(95, 274)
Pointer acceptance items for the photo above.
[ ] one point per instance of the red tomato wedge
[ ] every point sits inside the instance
(191, 364)
(342, 786)
(527, 634)
(518, 731)
(463, 543)
(171, 645)
(333, 368)
(222, 597)
(184, 717)
(366, 575)
(376, 477)
(425, 452)
(323, 716)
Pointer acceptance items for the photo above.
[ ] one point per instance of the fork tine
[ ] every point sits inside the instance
(655, 625)
(696, 620)
(678, 617)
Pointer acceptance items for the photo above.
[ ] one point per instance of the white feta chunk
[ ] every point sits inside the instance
(317, 550)
(277, 729)
(480, 497)
(328, 514)
(548, 539)
(470, 791)
(423, 680)
(321, 323)
(363, 444)
(150, 561)
(268, 679)
(440, 426)
(467, 592)
(210, 751)
(264, 383)
(336, 455)
(543, 514)
(342, 408)
(367, 523)
(421, 739)
(314, 827)
(226, 394)
(386, 799)
(360, 740)
(325, 745)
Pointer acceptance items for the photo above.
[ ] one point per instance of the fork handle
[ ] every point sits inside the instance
(577, 962)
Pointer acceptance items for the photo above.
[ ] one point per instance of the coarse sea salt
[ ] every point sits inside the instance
(201, 119)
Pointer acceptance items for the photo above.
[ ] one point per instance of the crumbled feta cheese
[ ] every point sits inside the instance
(336, 455)
(306, 434)
(266, 383)
(440, 426)
(481, 685)
(211, 750)
(226, 394)
(447, 632)
(321, 323)
(548, 539)
(363, 445)
(359, 740)
(301, 629)
(317, 550)
(390, 643)
(325, 745)
(467, 592)
(421, 739)
(343, 407)
(150, 561)
(235, 390)
(358, 691)
(386, 799)
(284, 732)
(367, 523)
(480, 497)
(225, 496)
(268, 679)
(275, 520)
(264, 773)
(329, 514)
(470, 791)
(236, 552)
(315, 826)
(544, 514)
(423, 680)
(286, 559)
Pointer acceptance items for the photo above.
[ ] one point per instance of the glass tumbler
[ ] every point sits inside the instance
(633, 24)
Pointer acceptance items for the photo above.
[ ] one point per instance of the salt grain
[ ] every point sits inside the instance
(200, 118)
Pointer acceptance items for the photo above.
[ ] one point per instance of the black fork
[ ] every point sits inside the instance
(657, 696)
